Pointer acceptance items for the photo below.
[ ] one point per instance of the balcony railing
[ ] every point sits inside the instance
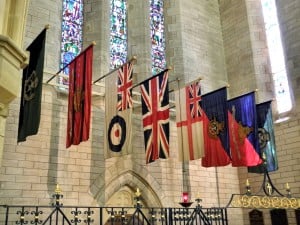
(75, 215)
(57, 214)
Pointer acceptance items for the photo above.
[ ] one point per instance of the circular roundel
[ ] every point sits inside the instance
(263, 137)
(116, 133)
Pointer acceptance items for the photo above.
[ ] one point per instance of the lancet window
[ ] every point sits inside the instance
(71, 40)
(277, 60)
(118, 33)
(157, 36)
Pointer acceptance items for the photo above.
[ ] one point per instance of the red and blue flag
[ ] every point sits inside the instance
(215, 129)
(242, 125)
(155, 110)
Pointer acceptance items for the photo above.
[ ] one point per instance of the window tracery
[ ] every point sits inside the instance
(157, 36)
(118, 33)
(71, 37)
(282, 91)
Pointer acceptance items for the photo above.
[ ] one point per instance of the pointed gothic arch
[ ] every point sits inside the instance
(106, 185)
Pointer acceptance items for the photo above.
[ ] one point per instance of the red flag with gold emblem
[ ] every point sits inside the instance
(243, 136)
(215, 129)
(80, 92)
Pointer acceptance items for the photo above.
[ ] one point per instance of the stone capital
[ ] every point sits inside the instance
(12, 60)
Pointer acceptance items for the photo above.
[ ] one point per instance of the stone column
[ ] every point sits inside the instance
(12, 57)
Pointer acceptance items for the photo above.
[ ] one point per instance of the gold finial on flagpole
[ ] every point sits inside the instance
(57, 189)
(133, 58)
(138, 193)
(47, 26)
(169, 68)
(247, 183)
(93, 42)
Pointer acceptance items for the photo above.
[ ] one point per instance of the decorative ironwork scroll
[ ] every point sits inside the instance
(260, 201)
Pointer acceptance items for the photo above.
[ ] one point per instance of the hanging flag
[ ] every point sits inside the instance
(215, 129)
(118, 112)
(155, 110)
(242, 127)
(125, 87)
(80, 93)
(189, 121)
(266, 139)
(32, 82)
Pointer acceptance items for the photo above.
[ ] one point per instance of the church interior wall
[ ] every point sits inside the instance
(12, 57)
(228, 48)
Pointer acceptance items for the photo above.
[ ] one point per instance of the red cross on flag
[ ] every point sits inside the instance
(155, 109)
(125, 87)
(189, 121)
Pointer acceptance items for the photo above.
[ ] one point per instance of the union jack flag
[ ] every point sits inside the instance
(193, 100)
(155, 109)
(125, 87)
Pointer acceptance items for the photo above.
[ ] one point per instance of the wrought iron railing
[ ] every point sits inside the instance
(57, 214)
(70, 215)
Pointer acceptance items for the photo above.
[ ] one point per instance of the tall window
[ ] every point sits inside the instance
(118, 33)
(157, 36)
(71, 42)
(282, 91)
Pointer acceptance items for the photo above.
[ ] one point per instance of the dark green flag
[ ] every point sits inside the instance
(32, 81)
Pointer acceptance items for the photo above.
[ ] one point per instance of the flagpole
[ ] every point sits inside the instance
(110, 72)
(134, 86)
(191, 82)
(183, 162)
(248, 93)
(226, 86)
(181, 135)
(51, 78)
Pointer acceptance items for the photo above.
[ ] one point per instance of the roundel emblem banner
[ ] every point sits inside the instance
(116, 133)
(263, 137)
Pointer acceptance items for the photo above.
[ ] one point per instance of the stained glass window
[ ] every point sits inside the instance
(71, 42)
(282, 92)
(157, 36)
(118, 33)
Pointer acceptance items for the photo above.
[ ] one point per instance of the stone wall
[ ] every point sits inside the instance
(289, 25)
(221, 41)
(248, 69)
(12, 57)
